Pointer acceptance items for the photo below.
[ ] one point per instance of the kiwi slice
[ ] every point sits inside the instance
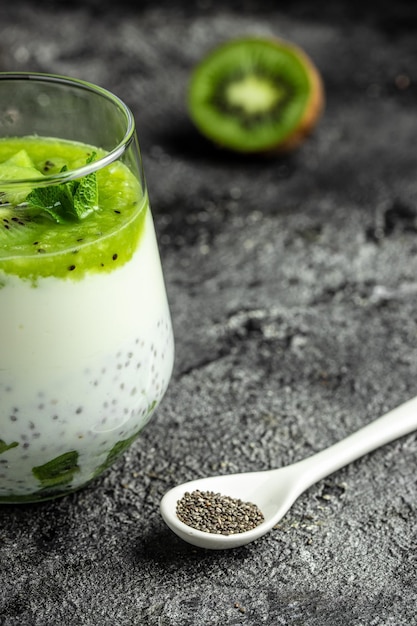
(19, 167)
(256, 95)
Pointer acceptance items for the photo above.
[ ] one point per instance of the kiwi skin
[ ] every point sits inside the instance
(313, 109)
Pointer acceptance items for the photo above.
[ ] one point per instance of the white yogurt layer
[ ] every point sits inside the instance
(83, 364)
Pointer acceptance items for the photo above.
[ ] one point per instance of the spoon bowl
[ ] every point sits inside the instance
(274, 491)
(264, 489)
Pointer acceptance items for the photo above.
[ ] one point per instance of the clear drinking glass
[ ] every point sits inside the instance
(86, 345)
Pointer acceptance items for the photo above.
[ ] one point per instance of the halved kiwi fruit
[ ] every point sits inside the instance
(256, 95)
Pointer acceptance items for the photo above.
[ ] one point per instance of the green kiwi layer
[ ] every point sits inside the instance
(33, 246)
(254, 94)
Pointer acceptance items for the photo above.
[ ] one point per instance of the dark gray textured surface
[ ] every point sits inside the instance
(293, 293)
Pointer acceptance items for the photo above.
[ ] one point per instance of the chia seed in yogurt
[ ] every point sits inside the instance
(85, 333)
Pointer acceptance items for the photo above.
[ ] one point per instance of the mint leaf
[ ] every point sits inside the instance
(69, 201)
(116, 451)
(4, 446)
(86, 193)
(56, 201)
(58, 471)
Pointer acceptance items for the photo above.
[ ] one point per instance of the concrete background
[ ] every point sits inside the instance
(293, 293)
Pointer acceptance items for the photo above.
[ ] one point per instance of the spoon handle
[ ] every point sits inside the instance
(394, 424)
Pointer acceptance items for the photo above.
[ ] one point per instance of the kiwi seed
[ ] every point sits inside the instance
(256, 95)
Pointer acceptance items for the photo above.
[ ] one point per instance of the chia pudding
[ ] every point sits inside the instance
(85, 331)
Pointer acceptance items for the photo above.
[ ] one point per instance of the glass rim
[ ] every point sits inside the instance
(95, 165)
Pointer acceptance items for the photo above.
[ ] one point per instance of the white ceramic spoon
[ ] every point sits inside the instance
(274, 491)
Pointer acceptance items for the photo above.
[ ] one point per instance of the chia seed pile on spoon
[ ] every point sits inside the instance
(212, 512)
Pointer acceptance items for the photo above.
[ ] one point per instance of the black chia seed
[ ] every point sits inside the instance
(214, 513)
